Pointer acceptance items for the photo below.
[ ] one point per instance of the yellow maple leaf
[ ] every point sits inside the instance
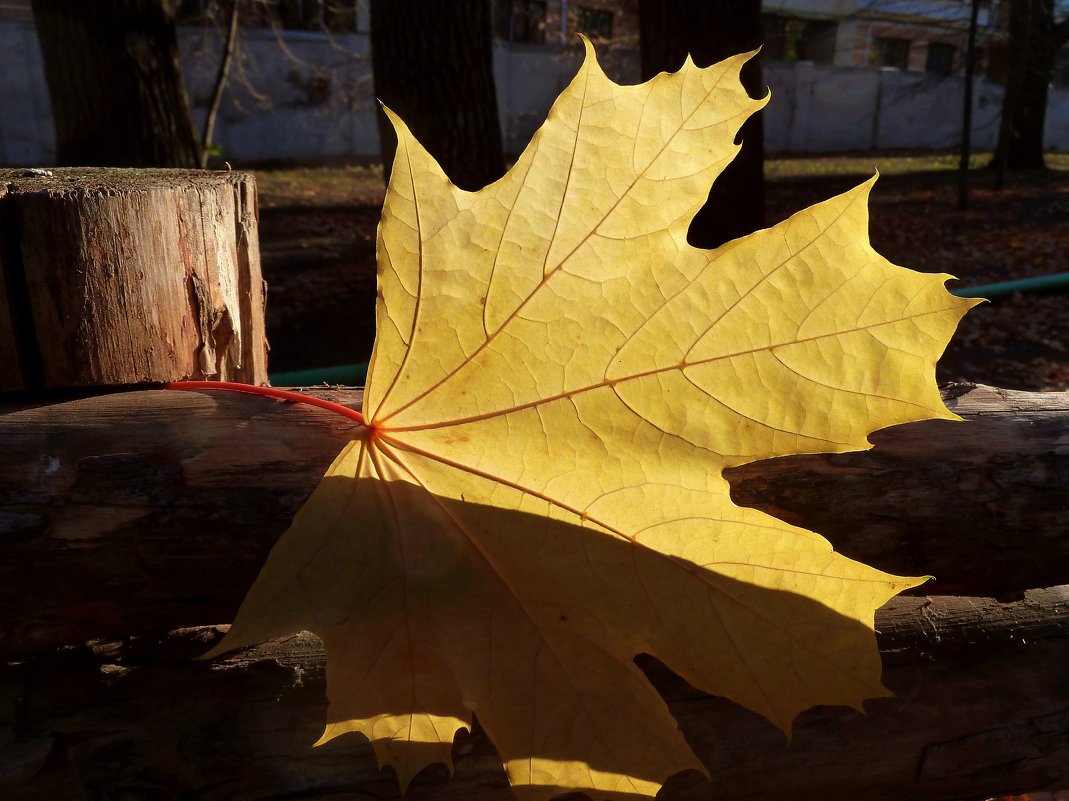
(558, 382)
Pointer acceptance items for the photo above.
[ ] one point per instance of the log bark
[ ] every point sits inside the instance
(982, 709)
(118, 277)
(126, 515)
(148, 511)
(979, 505)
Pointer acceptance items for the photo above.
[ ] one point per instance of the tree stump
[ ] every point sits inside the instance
(129, 276)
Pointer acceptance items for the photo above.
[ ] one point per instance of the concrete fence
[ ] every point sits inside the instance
(309, 97)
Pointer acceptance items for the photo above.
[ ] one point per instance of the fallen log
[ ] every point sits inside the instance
(126, 515)
(149, 511)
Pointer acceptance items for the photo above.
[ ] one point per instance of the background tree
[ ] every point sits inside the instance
(221, 77)
(433, 64)
(1034, 41)
(711, 30)
(966, 106)
(115, 82)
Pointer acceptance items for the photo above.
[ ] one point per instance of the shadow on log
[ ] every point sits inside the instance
(136, 513)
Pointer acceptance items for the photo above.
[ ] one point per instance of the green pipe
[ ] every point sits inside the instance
(355, 375)
(1039, 282)
(350, 375)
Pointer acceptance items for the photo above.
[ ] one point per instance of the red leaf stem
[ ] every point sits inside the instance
(269, 392)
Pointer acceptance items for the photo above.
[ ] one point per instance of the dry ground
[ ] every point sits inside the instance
(318, 238)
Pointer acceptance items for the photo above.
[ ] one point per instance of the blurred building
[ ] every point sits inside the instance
(331, 16)
(611, 23)
(845, 74)
(915, 35)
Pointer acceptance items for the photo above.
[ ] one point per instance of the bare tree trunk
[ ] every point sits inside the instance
(118, 96)
(966, 110)
(433, 65)
(1034, 42)
(712, 31)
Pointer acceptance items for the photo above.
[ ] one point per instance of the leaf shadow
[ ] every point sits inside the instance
(536, 624)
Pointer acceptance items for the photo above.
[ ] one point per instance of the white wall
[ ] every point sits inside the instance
(529, 78)
(824, 108)
(309, 97)
(1056, 132)
(290, 95)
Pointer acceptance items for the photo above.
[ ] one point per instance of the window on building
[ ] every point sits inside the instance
(793, 39)
(520, 21)
(596, 23)
(940, 58)
(890, 52)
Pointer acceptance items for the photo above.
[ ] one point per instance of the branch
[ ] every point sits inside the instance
(220, 82)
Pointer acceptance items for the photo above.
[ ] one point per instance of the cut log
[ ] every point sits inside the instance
(149, 511)
(113, 277)
(130, 514)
